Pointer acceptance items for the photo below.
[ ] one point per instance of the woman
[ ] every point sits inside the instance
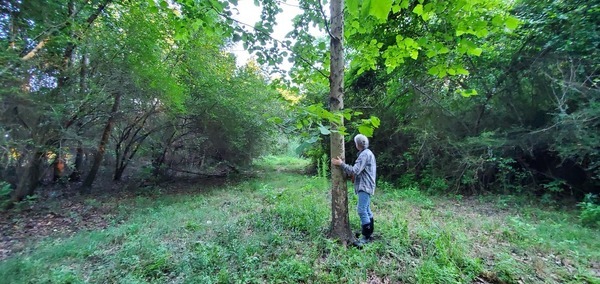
(364, 172)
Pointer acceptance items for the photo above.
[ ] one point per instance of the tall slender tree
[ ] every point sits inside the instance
(340, 222)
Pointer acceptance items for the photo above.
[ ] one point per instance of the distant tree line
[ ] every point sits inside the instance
(102, 90)
(526, 118)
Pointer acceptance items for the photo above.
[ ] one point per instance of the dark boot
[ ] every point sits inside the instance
(368, 233)
(367, 230)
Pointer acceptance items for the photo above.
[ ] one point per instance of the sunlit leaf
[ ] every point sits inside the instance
(366, 8)
(427, 16)
(217, 5)
(276, 120)
(482, 33)
(353, 6)
(462, 71)
(414, 54)
(380, 9)
(366, 130)
(433, 70)
(475, 51)
(497, 21)
(468, 93)
(405, 4)
(418, 9)
(375, 121)
(512, 22)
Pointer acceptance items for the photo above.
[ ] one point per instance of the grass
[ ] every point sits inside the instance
(271, 229)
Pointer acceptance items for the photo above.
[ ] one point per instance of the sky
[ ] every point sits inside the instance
(250, 14)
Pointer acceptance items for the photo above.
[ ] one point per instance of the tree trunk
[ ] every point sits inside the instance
(119, 171)
(159, 161)
(76, 174)
(87, 184)
(340, 221)
(30, 178)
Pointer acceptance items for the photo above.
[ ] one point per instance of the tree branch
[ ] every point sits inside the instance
(324, 18)
(34, 51)
(280, 42)
(440, 105)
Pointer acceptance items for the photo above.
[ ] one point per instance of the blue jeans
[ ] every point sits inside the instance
(364, 208)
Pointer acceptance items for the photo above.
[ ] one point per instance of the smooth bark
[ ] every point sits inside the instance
(340, 222)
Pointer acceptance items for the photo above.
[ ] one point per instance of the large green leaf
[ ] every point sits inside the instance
(353, 7)
(324, 130)
(366, 130)
(512, 22)
(380, 9)
(375, 121)
(418, 10)
(366, 8)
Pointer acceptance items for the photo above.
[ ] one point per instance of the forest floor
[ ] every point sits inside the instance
(272, 228)
(61, 210)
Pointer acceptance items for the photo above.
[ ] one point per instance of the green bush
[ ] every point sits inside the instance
(590, 211)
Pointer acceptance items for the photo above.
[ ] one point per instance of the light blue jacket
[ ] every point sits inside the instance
(364, 171)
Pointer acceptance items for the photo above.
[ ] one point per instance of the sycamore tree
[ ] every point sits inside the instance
(439, 35)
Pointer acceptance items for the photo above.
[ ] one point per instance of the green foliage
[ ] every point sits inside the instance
(590, 211)
(323, 166)
(435, 184)
(315, 120)
(5, 191)
(463, 23)
(473, 109)
(282, 163)
(508, 269)
(272, 228)
(555, 186)
(182, 101)
(27, 202)
(446, 260)
(518, 231)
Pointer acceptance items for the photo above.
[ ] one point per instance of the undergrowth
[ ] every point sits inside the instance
(271, 229)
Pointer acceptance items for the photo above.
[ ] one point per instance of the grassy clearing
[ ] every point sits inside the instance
(271, 230)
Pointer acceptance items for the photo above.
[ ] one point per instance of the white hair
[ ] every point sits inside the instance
(362, 141)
